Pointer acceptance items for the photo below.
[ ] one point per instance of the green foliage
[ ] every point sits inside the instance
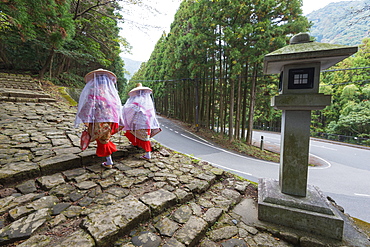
(62, 38)
(207, 71)
(354, 120)
(202, 71)
(69, 80)
(366, 92)
(350, 90)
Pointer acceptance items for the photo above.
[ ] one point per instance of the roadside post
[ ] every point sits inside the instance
(261, 143)
(291, 201)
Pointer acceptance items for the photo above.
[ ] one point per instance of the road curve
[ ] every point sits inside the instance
(344, 177)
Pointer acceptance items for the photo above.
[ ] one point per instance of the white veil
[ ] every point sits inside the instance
(99, 101)
(139, 112)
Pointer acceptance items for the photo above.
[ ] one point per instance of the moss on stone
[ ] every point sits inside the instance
(63, 92)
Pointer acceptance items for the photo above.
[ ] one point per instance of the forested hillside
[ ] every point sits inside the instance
(345, 23)
(208, 70)
(61, 40)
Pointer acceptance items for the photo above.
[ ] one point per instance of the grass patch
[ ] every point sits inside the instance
(238, 146)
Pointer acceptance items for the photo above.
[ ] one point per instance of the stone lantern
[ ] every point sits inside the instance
(290, 201)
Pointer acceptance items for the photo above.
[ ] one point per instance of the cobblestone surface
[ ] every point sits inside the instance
(52, 194)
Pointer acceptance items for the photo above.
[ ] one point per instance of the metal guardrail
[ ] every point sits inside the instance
(342, 138)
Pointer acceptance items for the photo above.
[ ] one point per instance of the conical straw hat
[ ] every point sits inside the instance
(90, 75)
(138, 87)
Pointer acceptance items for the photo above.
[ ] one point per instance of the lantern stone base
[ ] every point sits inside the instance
(312, 213)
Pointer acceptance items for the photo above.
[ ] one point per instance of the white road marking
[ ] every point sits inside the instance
(220, 166)
(205, 142)
(226, 151)
(319, 167)
(188, 133)
(321, 146)
(365, 195)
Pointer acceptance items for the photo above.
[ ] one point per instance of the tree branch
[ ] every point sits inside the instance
(91, 8)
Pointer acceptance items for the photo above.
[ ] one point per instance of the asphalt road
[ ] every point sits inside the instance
(344, 175)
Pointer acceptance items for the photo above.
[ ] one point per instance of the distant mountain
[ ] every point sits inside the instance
(344, 23)
(131, 66)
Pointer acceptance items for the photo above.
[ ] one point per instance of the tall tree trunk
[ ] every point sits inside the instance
(252, 103)
(224, 120)
(212, 100)
(196, 108)
(47, 63)
(61, 65)
(167, 106)
(4, 57)
(231, 110)
(226, 86)
(238, 110)
(191, 104)
(221, 88)
(207, 101)
(204, 98)
(188, 101)
(173, 98)
(244, 111)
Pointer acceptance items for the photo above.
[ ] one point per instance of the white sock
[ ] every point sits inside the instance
(109, 160)
(147, 155)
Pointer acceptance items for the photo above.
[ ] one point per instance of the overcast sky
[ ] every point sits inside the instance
(143, 40)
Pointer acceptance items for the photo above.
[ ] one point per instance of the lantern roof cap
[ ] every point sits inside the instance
(302, 50)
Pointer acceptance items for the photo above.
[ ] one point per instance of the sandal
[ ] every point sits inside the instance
(144, 158)
(104, 164)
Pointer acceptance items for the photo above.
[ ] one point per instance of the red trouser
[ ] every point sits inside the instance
(137, 142)
(106, 149)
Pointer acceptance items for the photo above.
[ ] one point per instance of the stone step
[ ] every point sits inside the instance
(19, 84)
(27, 99)
(23, 93)
(32, 87)
(16, 77)
(17, 80)
(138, 202)
(109, 203)
(19, 88)
(66, 158)
(23, 82)
(18, 95)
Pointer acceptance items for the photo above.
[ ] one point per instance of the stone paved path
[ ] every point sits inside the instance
(52, 194)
